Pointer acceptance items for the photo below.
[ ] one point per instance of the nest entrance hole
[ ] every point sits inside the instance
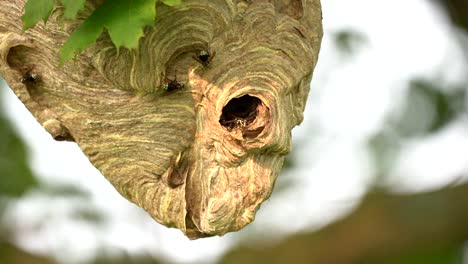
(241, 113)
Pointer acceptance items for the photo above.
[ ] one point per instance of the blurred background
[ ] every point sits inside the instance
(378, 173)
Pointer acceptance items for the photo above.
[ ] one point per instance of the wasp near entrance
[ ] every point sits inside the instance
(28, 76)
(172, 85)
(204, 57)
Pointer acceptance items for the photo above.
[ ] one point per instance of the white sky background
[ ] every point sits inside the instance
(349, 99)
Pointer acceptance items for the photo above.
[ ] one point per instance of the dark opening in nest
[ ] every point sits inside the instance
(240, 113)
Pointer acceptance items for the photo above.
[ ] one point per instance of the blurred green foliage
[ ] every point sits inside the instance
(384, 148)
(16, 176)
(429, 107)
(125, 259)
(10, 254)
(349, 41)
(451, 255)
(457, 10)
(63, 190)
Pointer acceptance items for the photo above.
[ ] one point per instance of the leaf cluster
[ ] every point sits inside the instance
(123, 19)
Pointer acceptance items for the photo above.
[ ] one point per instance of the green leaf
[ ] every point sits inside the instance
(124, 19)
(72, 7)
(84, 36)
(128, 20)
(172, 2)
(36, 10)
